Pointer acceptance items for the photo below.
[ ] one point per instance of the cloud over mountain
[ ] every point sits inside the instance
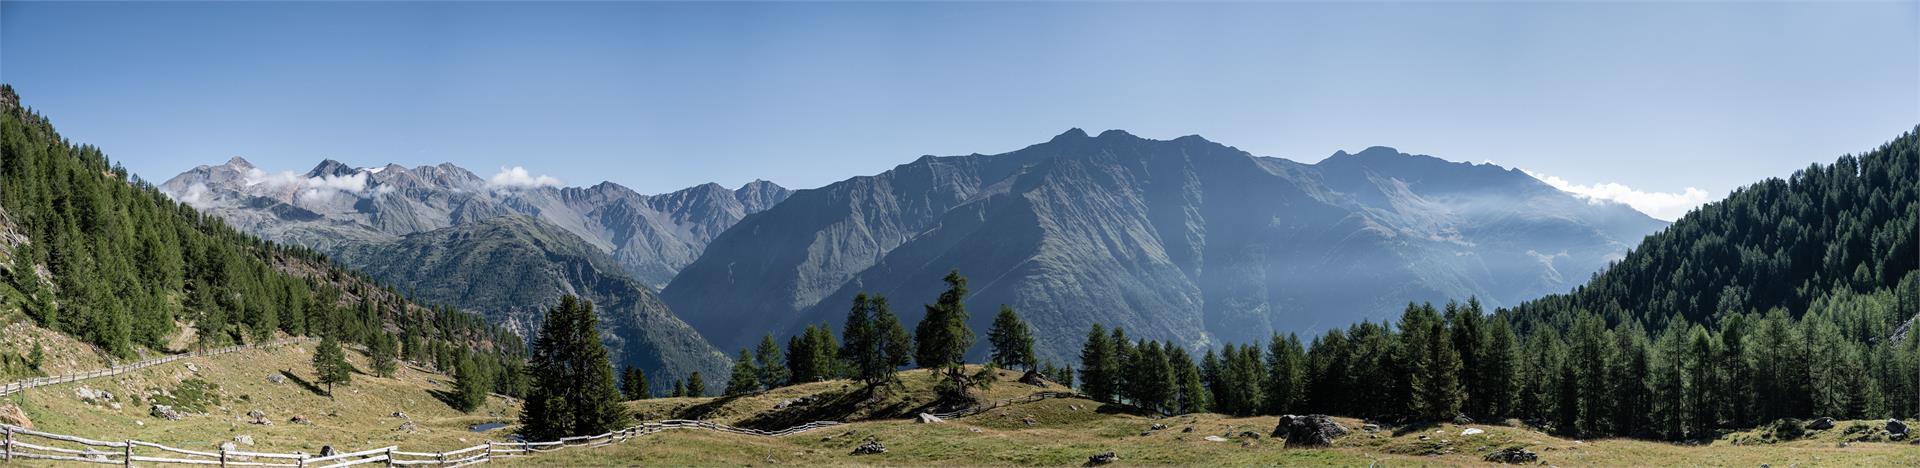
(1666, 206)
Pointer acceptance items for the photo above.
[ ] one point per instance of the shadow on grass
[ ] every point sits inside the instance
(304, 383)
(452, 401)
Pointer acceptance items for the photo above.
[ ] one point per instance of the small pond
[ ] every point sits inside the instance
(486, 426)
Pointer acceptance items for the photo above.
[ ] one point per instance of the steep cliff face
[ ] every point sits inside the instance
(1186, 239)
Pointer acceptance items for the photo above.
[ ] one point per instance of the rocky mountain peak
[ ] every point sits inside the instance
(331, 167)
(239, 163)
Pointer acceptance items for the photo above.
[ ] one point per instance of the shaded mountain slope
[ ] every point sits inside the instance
(1183, 239)
(516, 267)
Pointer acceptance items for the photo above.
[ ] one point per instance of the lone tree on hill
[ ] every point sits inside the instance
(573, 391)
(943, 338)
(330, 364)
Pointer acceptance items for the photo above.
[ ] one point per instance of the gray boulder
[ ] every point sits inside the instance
(870, 447)
(1102, 459)
(276, 379)
(1897, 428)
(1821, 424)
(925, 418)
(1315, 430)
(1512, 455)
(165, 412)
(1034, 379)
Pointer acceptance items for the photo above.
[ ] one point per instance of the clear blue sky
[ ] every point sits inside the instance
(1656, 96)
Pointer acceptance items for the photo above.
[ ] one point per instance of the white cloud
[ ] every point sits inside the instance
(518, 177)
(354, 183)
(196, 196)
(1662, 205)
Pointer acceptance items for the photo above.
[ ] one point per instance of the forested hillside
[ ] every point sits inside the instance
(109, 259)
(1783, 301)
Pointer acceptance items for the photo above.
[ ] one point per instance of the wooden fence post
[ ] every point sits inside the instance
(389, 456)
(9, 444)
(223, 457)
(127, 455)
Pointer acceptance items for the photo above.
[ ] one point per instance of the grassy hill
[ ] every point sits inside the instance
(216, 393)
(1050, 432)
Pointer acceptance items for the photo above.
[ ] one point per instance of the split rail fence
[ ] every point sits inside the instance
(67, 448)
(17, 387)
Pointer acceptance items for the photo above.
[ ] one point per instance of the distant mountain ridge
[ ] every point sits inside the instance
(516, 267)
(506, 250)
(650, 236)
(1183, 239)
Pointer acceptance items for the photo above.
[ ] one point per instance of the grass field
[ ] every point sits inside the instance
(1052, 432)
(359, 416)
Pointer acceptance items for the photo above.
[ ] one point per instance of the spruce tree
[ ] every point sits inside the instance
(470, 386)
(859, 345)
(1286, 369)
(745, 378)
(943, 337)
(1012, 340)
(573, 391)
(772, 365)
(633, 384)
(895, 345)
(1096, 362)
(679, 388)
(696, 386)
(330, 364)
(382, 355)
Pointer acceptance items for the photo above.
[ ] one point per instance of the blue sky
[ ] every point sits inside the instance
(1655, 97)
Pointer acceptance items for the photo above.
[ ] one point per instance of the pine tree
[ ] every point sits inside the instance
(895, 345)
(1096, 363)
(860, 343)
(696, 386)
(382, 356)
(1012, 340)
(1501, 379)
(772, 364)
(573, 391)
(470, 386)
(943, 337)
(679, 388)
(1286, 369)
(330, 364)
(633, 384)
(745, 378)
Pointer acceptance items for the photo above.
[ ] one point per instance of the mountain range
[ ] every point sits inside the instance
(650, 237)
(506, 250)
(1186, 240)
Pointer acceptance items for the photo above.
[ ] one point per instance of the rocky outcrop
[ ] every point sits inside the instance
(1315, 430)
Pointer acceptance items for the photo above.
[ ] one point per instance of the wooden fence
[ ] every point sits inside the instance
(60, 447)
(17, 387)
(67, 448)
